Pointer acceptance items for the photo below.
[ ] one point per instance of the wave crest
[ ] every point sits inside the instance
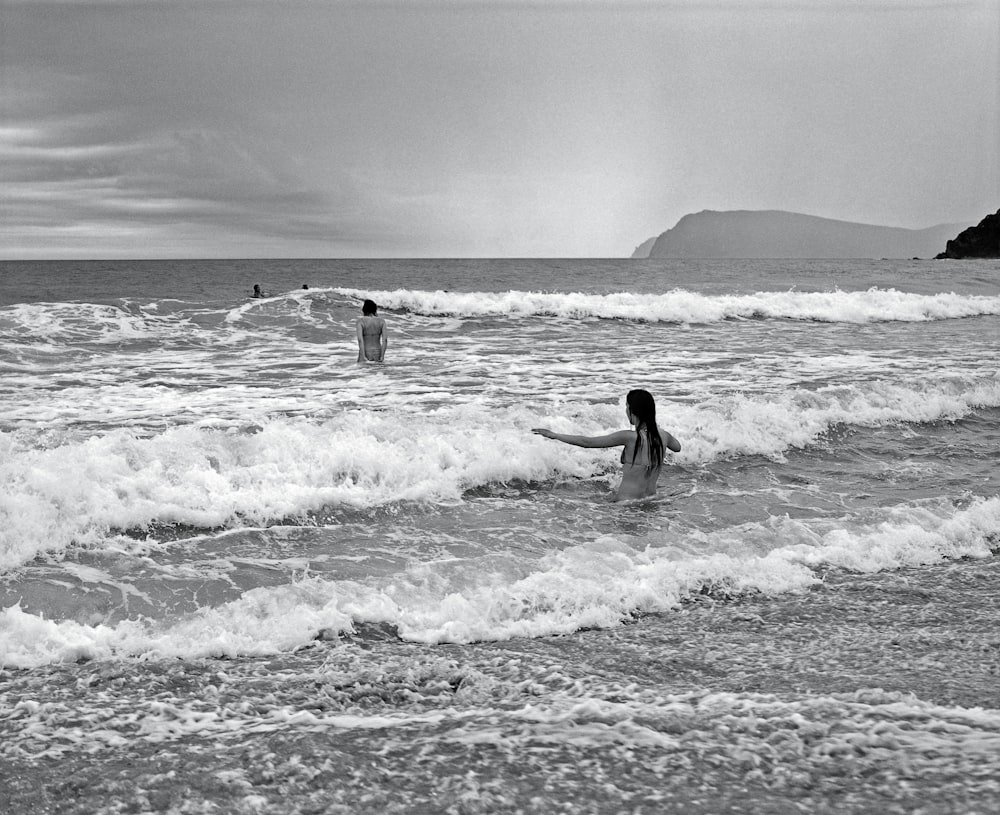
(598, 584)
(682, 306)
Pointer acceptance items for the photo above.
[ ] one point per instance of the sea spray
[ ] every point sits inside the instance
(682, 306)
(81, 491)
(598, 584)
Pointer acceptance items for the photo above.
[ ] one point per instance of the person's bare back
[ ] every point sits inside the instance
(642, 458)
(372, 340)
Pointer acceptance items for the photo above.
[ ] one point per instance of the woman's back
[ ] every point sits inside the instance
(642, 454)
(639, 476)
(371, 338)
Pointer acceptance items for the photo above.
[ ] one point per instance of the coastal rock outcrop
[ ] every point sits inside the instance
(643, 249)
(778, 234)
(980, 241)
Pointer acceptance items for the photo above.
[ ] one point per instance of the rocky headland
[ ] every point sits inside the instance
(980, 241)
(778, 234)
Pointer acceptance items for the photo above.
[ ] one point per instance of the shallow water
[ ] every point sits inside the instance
(232, 556)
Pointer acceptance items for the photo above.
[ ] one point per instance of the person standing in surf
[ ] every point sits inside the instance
(372, 339)
(643, 446)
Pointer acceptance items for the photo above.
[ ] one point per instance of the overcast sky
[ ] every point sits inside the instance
(302, 128)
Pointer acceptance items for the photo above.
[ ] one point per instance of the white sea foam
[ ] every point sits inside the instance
(766, 739)
(89, 322)
(80, 491)
(598, 584)
(682, 306)
(83, 490)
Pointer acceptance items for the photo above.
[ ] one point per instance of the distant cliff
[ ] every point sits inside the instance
(982, 241)
(776, 234)
(643, 249)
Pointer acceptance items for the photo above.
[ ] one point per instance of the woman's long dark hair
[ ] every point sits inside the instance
(643, 408)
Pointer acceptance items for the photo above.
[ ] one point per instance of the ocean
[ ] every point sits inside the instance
(241, 573)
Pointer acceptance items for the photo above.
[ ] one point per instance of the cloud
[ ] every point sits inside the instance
(93, 167)
(106, 144)
(219, 178)
(301, 128)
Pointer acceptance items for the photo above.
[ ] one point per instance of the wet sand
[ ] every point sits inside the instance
(868, 693)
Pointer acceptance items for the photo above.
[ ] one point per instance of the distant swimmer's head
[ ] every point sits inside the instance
(641, 407)
(256, 290)
(369, 309)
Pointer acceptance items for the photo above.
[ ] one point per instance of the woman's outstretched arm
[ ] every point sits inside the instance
(616, 439)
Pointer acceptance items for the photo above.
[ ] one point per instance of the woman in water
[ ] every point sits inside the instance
(372, 340)
(643, 446)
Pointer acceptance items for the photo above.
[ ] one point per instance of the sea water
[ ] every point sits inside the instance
(202, 492)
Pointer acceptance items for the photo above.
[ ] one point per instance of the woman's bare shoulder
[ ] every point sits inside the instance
(670, 441)
(625, 436)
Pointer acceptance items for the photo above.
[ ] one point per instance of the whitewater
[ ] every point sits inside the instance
(196, 484)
